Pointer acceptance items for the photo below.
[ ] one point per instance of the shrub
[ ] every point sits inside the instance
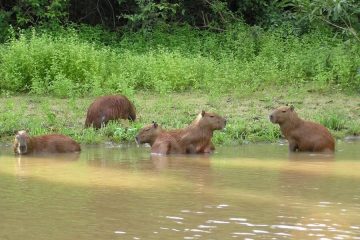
(240, 59)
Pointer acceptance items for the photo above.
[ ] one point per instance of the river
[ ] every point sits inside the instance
(255, 191)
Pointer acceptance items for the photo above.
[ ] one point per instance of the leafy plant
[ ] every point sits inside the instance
(342, 15)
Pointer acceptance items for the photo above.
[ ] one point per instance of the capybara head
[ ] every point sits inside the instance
(21, 142)
(148, 133)
(210, 120)
(282, 114)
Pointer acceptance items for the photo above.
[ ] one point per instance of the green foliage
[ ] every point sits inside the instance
(150, 13)
(247, 118)
(342, 15)
(123, 16)
(34, 12)
(333, 120)
(241, 59)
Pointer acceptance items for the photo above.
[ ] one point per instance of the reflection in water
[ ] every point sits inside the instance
(244, 192)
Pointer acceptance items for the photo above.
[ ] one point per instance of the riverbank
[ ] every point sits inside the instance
(247, 114)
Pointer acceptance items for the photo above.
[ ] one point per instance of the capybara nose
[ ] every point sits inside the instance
(22, 148)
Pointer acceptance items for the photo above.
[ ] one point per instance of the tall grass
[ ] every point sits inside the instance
(72, 64)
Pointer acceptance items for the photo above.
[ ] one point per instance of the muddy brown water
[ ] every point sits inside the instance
(241, 192)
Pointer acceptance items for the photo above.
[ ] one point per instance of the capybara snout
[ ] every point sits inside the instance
(212, 120)
(148, 134)
(271, 117)
(20, 145)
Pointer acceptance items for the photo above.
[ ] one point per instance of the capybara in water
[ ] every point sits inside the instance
(196, 138)
(107, 108)
(52, 143)
(173, 139)
(302, 135)
(161, 141)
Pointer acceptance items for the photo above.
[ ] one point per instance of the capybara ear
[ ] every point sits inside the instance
(292, 108)
(202, 113)
(287, 104)
(155, 124)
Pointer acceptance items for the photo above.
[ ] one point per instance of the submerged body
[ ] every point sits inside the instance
(52, 143)
(107, 108)
(161, 141)
(302, 135)
(196, 138)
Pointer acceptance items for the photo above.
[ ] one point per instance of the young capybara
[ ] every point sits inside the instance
(107, 108)
(52, 143)
(155, 134)
(302, 135)
(161, 141)
(196, 138)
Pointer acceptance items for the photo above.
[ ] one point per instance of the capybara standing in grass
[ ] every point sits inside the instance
(302, 135)
(52, 143)
(107, 108)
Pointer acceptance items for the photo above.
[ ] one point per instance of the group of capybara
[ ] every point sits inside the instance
(194, 139)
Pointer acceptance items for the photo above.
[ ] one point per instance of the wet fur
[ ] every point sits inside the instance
(196, 138)
(161, 141)
(107, 108)
(52, 143)
(302, 135)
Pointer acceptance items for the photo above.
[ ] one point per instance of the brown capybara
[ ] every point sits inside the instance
(210, 147)
(302, 135)
(52, 143)
(196, 138)
(151, 133)
(107, 108)
(161, 141)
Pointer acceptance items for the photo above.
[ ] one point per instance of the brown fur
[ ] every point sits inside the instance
(52, 143)
(161, 141)
(180, 140)
(302, 135)
(196, 138)
(107, 108)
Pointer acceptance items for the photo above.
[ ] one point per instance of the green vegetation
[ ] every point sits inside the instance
(247, 115)
(216, 53)
(242, 58)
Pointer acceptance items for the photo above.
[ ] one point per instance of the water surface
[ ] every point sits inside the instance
(241, 192)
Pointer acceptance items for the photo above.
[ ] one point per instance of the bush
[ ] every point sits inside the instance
(238, 59)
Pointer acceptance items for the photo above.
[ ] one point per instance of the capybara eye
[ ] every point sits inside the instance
(212, 116)
(283, 111)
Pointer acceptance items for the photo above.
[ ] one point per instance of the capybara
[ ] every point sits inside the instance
(196, 138)
(171, 139)
(107, 108)
(149, 133)
(52, 143)
(302, 135)
(161, 141)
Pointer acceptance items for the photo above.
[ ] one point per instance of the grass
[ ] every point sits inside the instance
(68, 64)
(172, 75)
(247, 114)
